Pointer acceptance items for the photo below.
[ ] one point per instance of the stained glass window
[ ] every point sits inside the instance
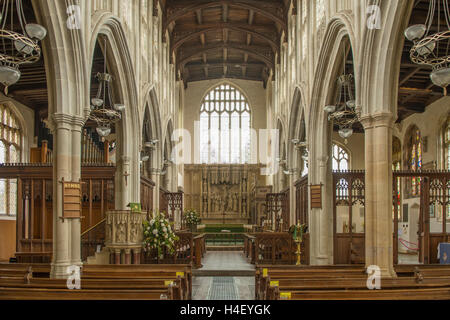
(341, 158)
(396, 166)
(416, 159)
(10, 146)
(225, 122)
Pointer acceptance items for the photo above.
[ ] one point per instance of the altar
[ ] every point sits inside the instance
(221, 193)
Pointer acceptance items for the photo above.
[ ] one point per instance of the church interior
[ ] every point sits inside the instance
(224, 150)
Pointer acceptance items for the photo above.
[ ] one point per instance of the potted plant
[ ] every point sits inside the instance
(159, 235)
(192, 219)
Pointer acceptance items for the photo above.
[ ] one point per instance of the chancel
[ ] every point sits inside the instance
(224, 150)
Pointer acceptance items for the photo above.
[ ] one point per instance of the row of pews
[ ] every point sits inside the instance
(350, 283)
(105, 282)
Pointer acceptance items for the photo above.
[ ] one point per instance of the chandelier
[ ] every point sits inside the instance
(17, 47)
(343, 112)
(432, 48)
(104, 111)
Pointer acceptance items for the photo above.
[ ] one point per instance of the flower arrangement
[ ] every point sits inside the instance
(158, 233)
(191, 217)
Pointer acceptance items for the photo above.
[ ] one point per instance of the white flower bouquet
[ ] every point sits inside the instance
(191, 217)
(159, 234)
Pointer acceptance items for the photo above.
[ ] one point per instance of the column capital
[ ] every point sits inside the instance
(67, 121)
(382, 119)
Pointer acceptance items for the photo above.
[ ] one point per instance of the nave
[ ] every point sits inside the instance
(232, 149)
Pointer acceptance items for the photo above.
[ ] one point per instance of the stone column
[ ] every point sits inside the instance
(77, 126)
(127, 256)
(62, 163)
(323, 218)
(378, 181)
(117, 256)
(136, 256)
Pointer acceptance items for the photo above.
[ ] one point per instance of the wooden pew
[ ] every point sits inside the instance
(155, 285)
(65, 294)
(98, 282)
(350, 282)
(389, 294)
(167, 272)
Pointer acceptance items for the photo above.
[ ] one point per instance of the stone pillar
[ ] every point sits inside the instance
(127, 256)
(378, 181)
(117, 256)
(66, 165)
(136, 256)
(77, 127)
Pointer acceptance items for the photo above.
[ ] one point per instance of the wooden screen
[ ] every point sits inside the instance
(349, 217)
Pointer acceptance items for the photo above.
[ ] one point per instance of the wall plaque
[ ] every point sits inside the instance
(71, 193)
(316, 196)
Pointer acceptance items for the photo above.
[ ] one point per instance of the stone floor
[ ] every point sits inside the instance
(222, 287)
(226, 260)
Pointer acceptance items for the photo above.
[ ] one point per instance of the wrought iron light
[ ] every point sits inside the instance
(17, 47)
(432, 48)
(104, 111)
(343, 113)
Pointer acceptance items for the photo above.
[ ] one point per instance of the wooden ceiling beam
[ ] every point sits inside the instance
(260, 53)
(269, 9)
(224, 64)
(180, 37)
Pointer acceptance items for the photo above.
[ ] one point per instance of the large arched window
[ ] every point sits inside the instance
(10, 147)
(341, 158)
(225, 126)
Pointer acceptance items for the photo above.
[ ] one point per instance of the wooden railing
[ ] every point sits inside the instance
(35, 204)
(91, 239)
(275, 248)
(189, 249)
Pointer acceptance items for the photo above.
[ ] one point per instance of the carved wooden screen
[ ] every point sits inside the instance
(277, 206)
(301, 208)
(35, 204)
(349, 217)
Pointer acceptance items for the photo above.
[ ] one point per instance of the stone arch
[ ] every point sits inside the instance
(64, 58)
(167, 147)
(120, 64)
(380, 64)
(297, 126)
(339, 28)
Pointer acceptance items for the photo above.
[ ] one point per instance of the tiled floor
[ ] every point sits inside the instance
(224, 288)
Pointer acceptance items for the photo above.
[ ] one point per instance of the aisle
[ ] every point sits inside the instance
(224, 276)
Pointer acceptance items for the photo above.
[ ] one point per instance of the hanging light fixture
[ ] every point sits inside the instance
(104, 111)
(432, 48)
(17, 46)
(343, 112)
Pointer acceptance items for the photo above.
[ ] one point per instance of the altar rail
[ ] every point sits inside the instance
(35, 204)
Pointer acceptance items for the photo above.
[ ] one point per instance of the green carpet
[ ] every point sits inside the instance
(217, 228)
